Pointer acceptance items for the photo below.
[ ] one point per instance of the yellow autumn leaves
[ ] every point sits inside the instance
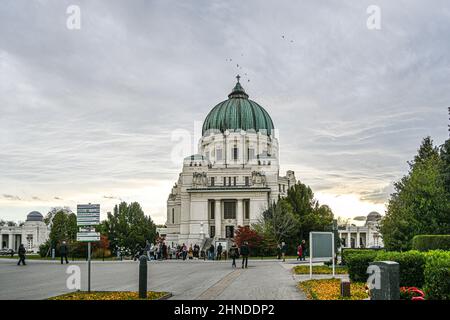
(329, 289)
(107, 295)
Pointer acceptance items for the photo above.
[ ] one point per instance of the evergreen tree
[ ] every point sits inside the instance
(128, 226)
(420, 203)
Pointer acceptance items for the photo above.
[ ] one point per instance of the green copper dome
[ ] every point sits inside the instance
(238, 113)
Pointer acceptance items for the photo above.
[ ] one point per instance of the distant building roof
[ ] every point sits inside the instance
(35, 216)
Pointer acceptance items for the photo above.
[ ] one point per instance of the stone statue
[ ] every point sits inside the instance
(258, 178)
(199, 179)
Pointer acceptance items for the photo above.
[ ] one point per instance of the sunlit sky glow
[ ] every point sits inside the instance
(88, 115)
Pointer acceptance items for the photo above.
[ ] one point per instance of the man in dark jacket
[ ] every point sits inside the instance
(63, 251)
(21, 253)
(211, 252)
(245, 251)
(303, 250)
(234, 253)
(219, 251)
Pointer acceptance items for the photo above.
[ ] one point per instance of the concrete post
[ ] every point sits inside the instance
(384, 280)
(143, 277)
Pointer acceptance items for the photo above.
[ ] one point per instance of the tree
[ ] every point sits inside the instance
(63, 227)
(308, 213)
(128, 226)
(50, 215)
(445, 165)
(245, 233)
(277, 223)
(420, 203)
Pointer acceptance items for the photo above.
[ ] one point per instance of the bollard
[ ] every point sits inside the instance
(142, 277)
(386, 280)
(345, 288)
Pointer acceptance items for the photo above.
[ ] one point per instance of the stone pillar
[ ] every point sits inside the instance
(11, 241)
(384, 280)
(218, 218)
(357, 238)
(349, 240)
(240, 213)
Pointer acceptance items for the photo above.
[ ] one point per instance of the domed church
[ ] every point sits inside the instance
(233, 178)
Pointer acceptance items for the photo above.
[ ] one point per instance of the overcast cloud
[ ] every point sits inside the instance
(87, 115)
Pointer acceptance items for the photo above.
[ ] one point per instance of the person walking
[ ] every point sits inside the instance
(303, 250)
(63, 251)
(191, 252)
(278, 251)
(21, 253)
(164, 251)
(148, 248)
(211, 252)
(299, 252)
(234, 253)
(244, 251)
(283, 250)
(196, 251)
(219, 251)
(184, 250)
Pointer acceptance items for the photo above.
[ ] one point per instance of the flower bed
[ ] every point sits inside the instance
(319, 270)
(329, 289)
(110, 295)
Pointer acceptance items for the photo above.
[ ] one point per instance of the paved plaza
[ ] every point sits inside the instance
(266, 279)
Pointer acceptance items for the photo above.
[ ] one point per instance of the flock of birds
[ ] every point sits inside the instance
(230, 60)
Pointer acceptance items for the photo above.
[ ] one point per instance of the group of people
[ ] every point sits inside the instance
(161, 251)
(63, 251)
(283, 248)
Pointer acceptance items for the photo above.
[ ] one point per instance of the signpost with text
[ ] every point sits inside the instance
(88, 215)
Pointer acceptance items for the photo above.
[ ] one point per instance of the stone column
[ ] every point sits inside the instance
(349, 240)
(218, 218)
(11, 241)
(240, 213)
(357, 238)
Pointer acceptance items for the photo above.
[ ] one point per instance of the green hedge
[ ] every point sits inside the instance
(431, 242)
(350, 252)
(412, 264)
(358, 263)
(437, 275)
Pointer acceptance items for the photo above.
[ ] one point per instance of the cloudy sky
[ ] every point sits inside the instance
(89, 115)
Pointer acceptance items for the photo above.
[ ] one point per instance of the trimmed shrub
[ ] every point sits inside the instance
(345, 253)
(357, 264)
(437, 275)
(431, 242)
(412, 264)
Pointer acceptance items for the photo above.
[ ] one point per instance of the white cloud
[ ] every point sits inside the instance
(87, 114)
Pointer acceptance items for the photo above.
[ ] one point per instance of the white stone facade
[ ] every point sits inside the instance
(367, 236)
(32, 234)
(229, 183)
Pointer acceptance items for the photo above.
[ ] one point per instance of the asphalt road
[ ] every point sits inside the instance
(184, 279)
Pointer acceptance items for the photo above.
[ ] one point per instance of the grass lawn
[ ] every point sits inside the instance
(304, 269)
(108, 295)
(329, 289)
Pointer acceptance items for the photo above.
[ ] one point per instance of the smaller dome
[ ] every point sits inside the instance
(35, 216)
(373, 216)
